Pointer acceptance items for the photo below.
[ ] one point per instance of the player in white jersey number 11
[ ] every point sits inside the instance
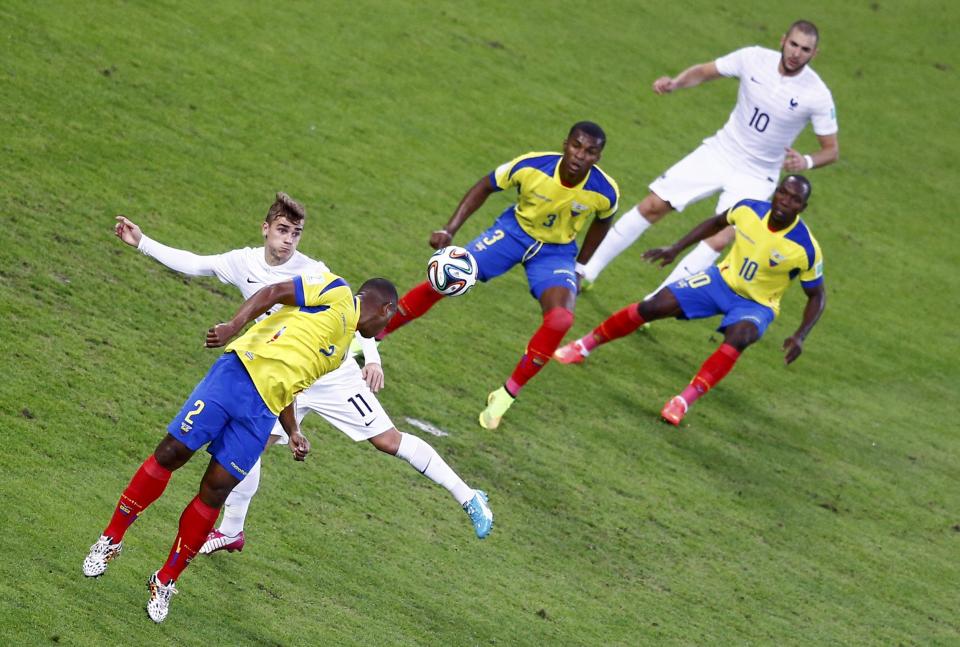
(344, 397)
(779, 94)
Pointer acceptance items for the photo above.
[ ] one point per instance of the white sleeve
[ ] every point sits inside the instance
(369, 348)
(231, 267)
(733, 63)
(177, 259)
(824, 117)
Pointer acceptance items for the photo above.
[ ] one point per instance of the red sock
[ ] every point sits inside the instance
(145, 487)
(619, 324)
(713, 370)
(413, 304)
(196, 522)
(556, 323)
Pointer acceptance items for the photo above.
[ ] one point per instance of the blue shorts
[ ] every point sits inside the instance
(505, 244)
(226, 411)
(707, 294)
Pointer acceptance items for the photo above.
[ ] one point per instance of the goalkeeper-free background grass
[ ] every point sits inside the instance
(815, 504)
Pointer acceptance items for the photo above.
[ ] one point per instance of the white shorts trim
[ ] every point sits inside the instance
(706, 171)
(343, 399)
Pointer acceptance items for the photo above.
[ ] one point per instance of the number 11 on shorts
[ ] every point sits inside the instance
(359, 397)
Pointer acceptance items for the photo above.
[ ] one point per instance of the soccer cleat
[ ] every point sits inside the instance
(216, 540)
(572, 353)
(480, 513)
(674, 411)
(95, 564)
(586, 284)
(497, 404)
(159, 603)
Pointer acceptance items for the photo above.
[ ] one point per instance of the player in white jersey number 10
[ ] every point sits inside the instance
(779, 94)
(344, 397)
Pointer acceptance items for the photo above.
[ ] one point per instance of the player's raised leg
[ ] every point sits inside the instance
(628, 228)
(425, 459)
(412, 305)
(620, 324)
(146, 486)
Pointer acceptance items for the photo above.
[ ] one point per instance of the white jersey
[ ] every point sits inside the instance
(246, 269)
(771, 111)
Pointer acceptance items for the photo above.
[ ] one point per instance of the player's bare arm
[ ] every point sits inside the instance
(816, 302)
(472, 201)
(828, 154)
(595, 235)
(127, 231)
(663, 256)
(299, 444)
(689, 78)
(252, 308)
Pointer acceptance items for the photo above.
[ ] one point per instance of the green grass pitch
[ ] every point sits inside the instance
(811, 505)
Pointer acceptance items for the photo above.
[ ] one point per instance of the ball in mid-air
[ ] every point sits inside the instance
(452, 271)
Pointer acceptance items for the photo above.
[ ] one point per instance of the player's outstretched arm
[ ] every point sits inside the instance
(471, 201)
(829, 152)
(816, 302)
(252, 308)
(177, 260)
(689, 78)
(663, 256)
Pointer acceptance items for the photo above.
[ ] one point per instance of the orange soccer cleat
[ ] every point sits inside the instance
(572, 353)
(674, 410)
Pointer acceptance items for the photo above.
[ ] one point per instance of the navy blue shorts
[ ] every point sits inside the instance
(505, 244)
(226, 411)
(707, 294)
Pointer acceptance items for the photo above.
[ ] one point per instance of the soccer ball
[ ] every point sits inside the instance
(452, 271)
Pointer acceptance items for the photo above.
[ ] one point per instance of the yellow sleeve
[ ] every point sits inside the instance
(319, 291)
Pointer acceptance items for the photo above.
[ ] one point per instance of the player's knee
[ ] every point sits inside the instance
(388, 442)
(171, 454)
(741, 335)
(653, 207)
(559, 320)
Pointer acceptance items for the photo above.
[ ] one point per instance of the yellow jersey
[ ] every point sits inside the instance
(547, 209)
(762, 263)
(289, 350)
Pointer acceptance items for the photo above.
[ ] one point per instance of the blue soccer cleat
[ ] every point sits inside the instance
(480, 514)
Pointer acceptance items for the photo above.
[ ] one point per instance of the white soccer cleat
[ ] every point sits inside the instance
(159, 603)
(95, 563)
(216, 540)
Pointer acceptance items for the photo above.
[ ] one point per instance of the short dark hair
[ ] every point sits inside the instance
(806, 27)
(381, 289)
(286, 207)
(802, 179)
(591, 129)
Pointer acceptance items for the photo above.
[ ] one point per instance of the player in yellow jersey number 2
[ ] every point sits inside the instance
(234, 408)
